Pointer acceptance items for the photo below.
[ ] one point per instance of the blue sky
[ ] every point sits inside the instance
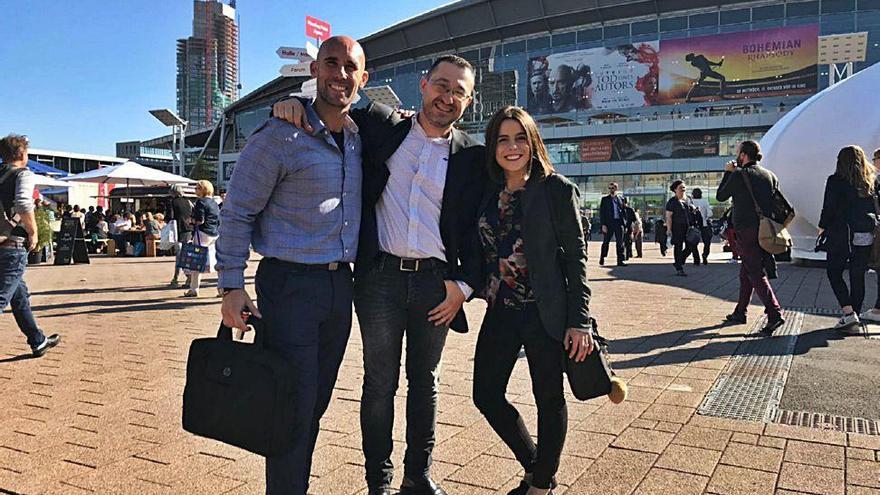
(80, 76)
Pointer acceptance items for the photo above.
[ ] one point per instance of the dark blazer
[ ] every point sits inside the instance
(382, 130)
(764, 183)
(606, 211)
(554, 250)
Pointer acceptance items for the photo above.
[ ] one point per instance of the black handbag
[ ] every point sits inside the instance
(238, 393)
(591, 377)
(821, 243)
(693, 235)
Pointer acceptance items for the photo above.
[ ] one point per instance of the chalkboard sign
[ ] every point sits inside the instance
(71, 243)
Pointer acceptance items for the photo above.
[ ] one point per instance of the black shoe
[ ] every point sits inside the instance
(522, 489)
(421, 486)
(621, 263)
(601, 261)
(50, 342)
(705, 260)
(735, 319)
(680, 273)
(384, 490)
(772, 324)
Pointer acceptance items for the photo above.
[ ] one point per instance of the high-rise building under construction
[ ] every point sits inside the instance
(207, 63)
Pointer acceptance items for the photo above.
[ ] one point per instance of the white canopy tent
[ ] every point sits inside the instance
(43, 181)
(131, 174)
(801, 148)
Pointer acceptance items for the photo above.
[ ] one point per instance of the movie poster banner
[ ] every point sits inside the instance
(769, 62)
(653, 146)
(598, 78)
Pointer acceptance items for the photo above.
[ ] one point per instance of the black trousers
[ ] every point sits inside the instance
(681, 248)
(706, 238)
(858, 266)
(503, 332)
(615, 230)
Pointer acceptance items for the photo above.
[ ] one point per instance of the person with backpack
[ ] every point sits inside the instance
(750, 184)
(848, 218)
(18, 237)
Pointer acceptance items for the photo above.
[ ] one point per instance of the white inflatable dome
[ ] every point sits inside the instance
(801, 148)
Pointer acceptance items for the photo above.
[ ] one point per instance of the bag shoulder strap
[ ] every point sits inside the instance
(748, 182)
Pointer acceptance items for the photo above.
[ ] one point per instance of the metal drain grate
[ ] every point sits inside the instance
(827, 422)
(751, 384)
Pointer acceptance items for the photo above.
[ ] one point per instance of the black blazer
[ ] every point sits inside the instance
(606, 211)
(382, 130)
(554, 250)
(843, 212)
(764, 183)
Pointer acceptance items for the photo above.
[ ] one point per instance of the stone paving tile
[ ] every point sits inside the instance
(806, 434)
(747, 438)
(861, 454)
(671, 483)
(486, 471)
(863, 473)
(666, 412)
(752, 457)
(618, 472)
(816, 454)
(643, 440)
(731, 480)
(689, 459)
(812, 479)
(706, 438)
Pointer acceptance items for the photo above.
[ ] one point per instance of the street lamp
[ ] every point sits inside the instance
(178, 130)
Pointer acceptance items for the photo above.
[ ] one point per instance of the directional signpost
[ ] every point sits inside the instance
(295, 53)
(301, 69)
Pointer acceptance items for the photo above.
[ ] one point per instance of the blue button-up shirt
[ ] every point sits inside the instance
(293, 196)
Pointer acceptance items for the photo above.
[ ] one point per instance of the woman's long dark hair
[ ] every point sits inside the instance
(539, 151)
(853, 165)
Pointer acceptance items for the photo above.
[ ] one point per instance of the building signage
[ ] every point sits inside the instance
(295, 53)
(317, 29)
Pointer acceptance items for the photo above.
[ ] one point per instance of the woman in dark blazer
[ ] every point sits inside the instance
(847, 220)
(536, 289)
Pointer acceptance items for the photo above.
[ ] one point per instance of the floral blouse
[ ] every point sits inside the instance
(501, 237)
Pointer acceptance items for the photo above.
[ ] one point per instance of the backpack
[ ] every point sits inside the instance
(9, 220)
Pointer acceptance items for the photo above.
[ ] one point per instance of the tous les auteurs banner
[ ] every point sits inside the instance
(599, 78)
(652, 146)
(769, 62)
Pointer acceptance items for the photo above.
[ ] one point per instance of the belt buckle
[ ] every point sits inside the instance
(415, 265)
(333, 266)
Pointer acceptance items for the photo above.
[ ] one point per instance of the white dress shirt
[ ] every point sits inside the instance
(408, 212)
(702, 204)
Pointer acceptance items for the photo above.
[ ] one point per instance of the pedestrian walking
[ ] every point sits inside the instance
(18, 237)
(637, 232)
(679, 218)
(536, 298)
(296, 197)
(848, 219)
(629, 219)
(181, 212)
(206, 227)
(764, 184)
(660, 235)
(705, 226)
(612, 218)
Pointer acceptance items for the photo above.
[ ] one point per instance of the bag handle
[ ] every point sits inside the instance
(225, 333)
(748, 181)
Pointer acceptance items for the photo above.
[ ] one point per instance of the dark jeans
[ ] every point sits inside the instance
(391, 304)
(706, 238)
(616, 231)
(14, 292)
(858, 266)
(681, 248)
(752, 276)
(503, 332)
(308, 317)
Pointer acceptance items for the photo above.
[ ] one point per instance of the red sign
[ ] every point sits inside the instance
(596, 150)
(316, 28)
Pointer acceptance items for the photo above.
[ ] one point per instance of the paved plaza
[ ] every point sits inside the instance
(101, 412)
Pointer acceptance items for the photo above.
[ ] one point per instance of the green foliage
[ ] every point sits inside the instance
(44, 231)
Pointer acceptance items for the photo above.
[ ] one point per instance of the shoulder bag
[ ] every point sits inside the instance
(773, 237)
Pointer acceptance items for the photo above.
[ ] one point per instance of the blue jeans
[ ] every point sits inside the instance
(308, 321)
(14, 292)
(390, 304)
